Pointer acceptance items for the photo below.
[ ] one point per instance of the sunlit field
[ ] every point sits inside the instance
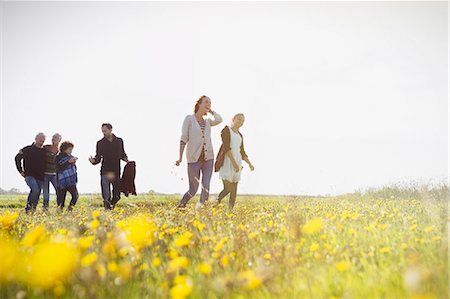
(390, 243)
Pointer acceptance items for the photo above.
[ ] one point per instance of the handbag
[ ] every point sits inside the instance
(219, 160)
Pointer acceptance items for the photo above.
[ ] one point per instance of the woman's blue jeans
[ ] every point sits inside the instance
(48, 178)
(194, 170)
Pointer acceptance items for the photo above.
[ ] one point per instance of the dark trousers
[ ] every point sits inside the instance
(106, 181)
(49, 178)
(61, 196)
(228, 188)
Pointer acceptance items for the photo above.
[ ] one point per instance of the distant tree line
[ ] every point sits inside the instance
(10, 191)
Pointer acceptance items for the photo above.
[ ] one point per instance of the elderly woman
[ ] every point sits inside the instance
(51, 150)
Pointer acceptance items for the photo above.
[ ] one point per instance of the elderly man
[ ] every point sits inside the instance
(33, 157)
(51, 151)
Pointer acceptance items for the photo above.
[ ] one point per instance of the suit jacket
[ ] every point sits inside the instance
(127, 185)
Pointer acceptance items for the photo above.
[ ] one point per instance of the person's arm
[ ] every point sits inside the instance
(242, 149)
(18, 159)
(182, 146)
(233, 161)
(225, 135)
(62, 163)
(217, 118)
(123, 155)
(244, 155)
(249, 164)
(184, 139)
(98, 156)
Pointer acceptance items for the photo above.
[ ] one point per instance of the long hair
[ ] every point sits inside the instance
(197, 104)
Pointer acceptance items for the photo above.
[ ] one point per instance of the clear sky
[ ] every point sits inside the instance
(337, 96)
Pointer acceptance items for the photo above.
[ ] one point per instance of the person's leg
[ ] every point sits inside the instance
(106, 192)
(46, 190)
(207, 170)
(61, 198)
(224, 192)
(34, 192)
(74, 193)
(58, 196)
(40, 185)
(194, 175)
(233, 194)
(54, 184)
(115, 190)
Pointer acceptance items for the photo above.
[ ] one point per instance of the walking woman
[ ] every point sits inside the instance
(196, 138)
(231, 153)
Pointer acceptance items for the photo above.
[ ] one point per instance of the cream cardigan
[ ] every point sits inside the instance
(192, 135)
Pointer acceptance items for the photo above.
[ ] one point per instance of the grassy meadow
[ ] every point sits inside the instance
(384, 243)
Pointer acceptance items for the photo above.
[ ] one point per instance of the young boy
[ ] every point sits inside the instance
(66, 175)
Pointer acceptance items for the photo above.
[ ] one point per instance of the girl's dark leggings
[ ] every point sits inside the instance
(61, 196)
(230, 188)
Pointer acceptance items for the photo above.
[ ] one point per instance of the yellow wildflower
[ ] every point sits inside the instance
(95, 214)
(250, 280)
(314, 247)
(313, 226)
(156, 262)
(8, 220)
(34, 236)
(225, 260)
(50, 263)
(178, 263)
(183, 240)
(204, 268)
(94, 224)
(89, 259)
(182, 288)
(9, 257)
(85, 242)
(385, 250)
(341, 266)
